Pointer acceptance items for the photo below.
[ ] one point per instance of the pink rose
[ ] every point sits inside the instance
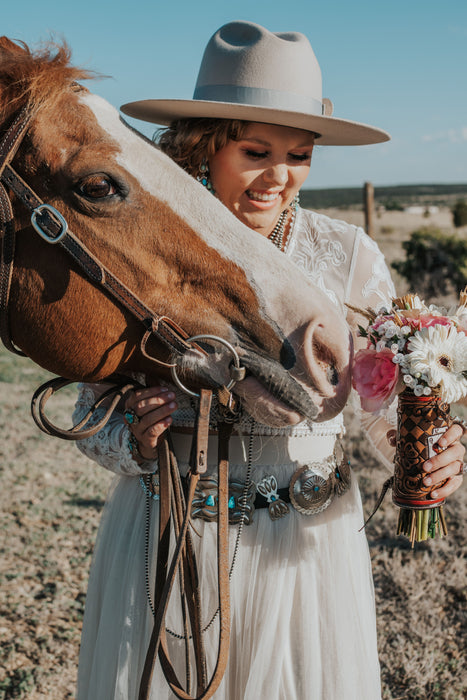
(418, 320)
(375, 377)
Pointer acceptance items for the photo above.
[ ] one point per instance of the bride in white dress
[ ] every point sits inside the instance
(302, 602)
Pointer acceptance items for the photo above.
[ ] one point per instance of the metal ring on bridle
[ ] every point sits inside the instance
(236, 364)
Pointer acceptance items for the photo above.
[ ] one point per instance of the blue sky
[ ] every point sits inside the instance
(399, 65)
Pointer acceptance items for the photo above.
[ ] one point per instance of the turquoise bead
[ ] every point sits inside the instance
(231, 502)
(210, 501)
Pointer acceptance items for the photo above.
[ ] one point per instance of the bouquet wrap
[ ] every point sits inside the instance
(421, 421)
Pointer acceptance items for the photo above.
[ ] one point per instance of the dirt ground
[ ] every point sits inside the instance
(50, 502)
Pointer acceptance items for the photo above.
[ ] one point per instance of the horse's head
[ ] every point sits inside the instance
(171, 242)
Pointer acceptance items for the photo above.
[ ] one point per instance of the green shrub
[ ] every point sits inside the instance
(459, 213)
(435, 263)
(393, 205)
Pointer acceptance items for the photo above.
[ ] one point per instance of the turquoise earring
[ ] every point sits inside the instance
(204, 176)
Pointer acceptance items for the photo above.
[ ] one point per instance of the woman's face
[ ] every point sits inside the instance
(258, 176)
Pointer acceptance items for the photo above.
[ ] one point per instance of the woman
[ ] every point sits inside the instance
(303, 618)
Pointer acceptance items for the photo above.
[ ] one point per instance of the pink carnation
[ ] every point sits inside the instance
(375, 378)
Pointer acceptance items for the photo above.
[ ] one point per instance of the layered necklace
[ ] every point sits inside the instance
(278, 232)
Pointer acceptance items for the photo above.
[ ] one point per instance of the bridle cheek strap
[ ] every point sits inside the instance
(8, 147)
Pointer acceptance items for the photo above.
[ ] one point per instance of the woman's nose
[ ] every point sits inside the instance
(277, 174)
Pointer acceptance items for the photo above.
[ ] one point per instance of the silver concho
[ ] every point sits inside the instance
(310, 489)
(342, 477)
(267, 487)
(342, 474)
(236, 507)
(204, 504)
(206, 500)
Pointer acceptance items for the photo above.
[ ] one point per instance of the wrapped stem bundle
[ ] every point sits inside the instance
(421, 421)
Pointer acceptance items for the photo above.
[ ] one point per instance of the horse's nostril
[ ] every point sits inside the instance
(287, 355)
(332, 375)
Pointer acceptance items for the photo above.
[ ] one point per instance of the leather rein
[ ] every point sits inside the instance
(175, 506)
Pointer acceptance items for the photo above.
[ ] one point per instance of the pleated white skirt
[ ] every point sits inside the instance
(302, 602)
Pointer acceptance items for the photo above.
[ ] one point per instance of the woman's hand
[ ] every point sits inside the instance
(447, 464)
(153, 407)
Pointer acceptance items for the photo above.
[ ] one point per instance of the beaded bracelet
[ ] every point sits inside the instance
(133, 446)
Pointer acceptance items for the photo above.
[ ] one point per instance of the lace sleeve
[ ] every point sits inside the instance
(109, 446)
(370, 285)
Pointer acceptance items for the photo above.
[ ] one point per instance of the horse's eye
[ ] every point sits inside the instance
(97, 187)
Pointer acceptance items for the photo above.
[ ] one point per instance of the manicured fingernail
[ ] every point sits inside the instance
(434, 494)
(442, 442)
(428, 466)
(172, 405)
(427, 481)
(170, 395)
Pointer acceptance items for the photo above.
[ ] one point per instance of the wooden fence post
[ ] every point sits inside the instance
(369, 205)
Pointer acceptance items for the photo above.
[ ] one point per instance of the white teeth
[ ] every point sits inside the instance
(262, 197)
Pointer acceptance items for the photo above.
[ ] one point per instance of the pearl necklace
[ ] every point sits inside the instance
(277, 235)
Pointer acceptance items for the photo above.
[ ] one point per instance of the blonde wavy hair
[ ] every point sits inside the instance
(189, 141)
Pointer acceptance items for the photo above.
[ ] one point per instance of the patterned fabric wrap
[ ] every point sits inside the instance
(421, 422)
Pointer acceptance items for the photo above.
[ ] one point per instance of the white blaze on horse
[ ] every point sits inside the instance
(171, 243)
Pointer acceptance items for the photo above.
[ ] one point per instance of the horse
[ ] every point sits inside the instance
(188, 262)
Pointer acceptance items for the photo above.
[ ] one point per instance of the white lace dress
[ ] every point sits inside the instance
(303, 615)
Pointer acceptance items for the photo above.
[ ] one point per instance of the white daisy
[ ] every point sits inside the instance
(439, 353)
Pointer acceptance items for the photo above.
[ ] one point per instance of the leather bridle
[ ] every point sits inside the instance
(175, 507)
(53, 228)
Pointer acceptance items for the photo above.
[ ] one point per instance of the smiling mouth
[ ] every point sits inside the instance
(262, 196)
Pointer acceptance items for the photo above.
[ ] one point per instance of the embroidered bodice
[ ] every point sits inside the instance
(349, 268)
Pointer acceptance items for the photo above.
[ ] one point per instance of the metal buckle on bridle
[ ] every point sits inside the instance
(39, 211)
(237, 372)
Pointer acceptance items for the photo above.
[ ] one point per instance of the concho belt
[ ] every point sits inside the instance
(310, 491)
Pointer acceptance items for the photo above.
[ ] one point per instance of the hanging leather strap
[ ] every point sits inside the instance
(183, 559)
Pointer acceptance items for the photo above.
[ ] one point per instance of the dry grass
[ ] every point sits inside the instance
(50, 501)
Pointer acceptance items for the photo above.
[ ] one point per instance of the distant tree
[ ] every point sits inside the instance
(435, 263)
(459, 213)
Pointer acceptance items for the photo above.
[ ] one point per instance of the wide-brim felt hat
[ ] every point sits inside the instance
(252, 74)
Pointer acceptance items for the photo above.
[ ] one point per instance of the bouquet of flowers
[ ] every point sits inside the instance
(418, 353)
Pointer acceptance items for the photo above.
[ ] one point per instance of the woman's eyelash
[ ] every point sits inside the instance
(256, 154)
(263, 154)
(300, 156)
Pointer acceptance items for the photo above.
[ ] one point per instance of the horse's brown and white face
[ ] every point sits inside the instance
(182, 252)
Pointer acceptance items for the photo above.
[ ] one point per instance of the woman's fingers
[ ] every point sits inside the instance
(153, 407)
(143, 400)
(452, 434)
(449, 487)
(453, 453)
(436, 477)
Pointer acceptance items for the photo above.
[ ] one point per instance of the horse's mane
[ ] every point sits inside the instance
(29, 77)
